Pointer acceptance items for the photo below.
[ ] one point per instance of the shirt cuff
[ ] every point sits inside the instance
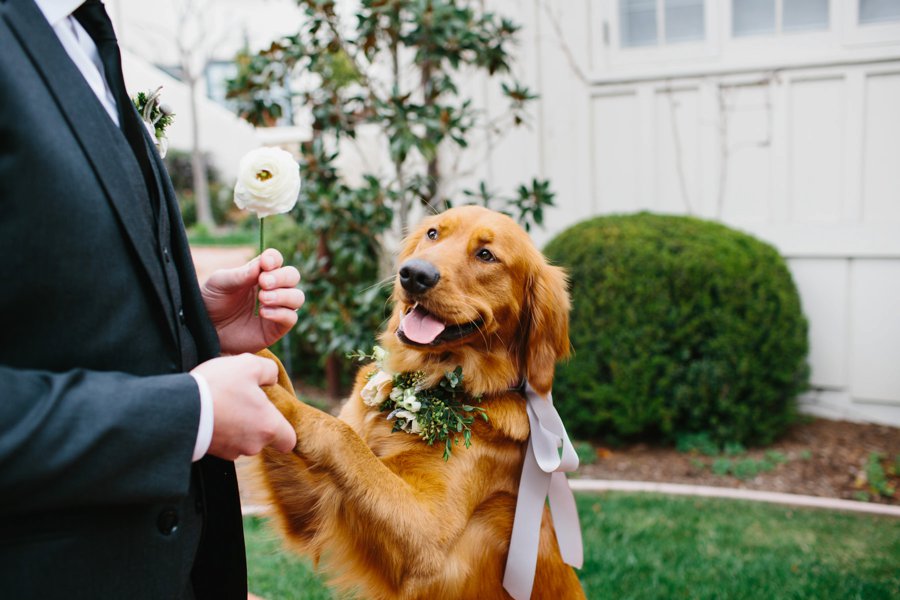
(205, 429)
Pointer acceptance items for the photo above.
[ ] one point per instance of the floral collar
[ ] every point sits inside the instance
(436, 414)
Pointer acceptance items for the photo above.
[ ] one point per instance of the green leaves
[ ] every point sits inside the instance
(325, 68)
(526, 207)
(876, 478)
(338, 255)
(519, 96)
(530, 202)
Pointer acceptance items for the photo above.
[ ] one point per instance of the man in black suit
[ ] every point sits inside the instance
(118, 423)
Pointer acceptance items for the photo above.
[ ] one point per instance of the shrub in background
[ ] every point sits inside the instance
(679, 326)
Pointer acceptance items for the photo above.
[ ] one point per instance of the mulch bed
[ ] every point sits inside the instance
(816, 458)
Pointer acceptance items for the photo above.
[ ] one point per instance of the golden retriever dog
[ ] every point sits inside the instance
(383, 513)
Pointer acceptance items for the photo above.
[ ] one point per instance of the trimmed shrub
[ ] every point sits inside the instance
(679, 326)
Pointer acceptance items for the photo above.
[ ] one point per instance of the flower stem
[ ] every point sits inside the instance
(262, 246)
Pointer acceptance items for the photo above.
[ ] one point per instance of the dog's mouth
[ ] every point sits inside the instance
(421, 328)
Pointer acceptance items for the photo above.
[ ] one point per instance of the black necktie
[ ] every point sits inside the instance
(95, 21)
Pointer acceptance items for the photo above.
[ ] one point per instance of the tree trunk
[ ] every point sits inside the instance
(198, 163)
(432, 199)
(333, 376)
(332, 362)
(403, 205)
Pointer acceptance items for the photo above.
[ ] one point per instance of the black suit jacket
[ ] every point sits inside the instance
(100, 318)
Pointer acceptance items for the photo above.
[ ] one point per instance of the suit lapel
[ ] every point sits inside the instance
(105, 146)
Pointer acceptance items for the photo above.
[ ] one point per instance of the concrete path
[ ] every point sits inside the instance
(677, 489)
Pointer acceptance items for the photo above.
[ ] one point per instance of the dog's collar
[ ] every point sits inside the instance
(519, 388)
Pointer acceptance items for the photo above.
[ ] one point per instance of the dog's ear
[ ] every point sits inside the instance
(546, 323)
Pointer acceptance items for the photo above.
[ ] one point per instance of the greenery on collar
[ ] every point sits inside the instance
(437, 414)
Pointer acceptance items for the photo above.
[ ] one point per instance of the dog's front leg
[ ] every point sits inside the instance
(369, 493)
(333, 492)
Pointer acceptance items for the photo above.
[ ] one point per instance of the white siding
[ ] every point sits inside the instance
(618, 163)
(825, 294)
(875, 339)
(881, 164)
(816, 152)
(677, 157)
(745, 128)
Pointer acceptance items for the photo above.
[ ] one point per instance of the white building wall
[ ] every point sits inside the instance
(794, 138)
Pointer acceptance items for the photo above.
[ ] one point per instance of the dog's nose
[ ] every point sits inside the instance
(418, 276)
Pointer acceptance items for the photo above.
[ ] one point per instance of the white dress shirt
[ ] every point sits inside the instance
(83, 52)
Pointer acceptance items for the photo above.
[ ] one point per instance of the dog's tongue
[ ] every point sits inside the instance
(421, 327)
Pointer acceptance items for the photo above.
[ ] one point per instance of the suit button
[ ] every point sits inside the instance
(181, 316)
(167, 522)
(166, 255)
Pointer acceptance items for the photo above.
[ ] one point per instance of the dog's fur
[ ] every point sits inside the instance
(383, 512)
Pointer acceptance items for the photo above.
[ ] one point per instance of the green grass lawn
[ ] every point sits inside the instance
(642, 546)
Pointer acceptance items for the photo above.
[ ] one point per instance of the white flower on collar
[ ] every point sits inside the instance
(377, 389)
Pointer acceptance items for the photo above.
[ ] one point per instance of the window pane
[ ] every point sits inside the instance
(751, 17)
(684, 20)
(638, 22)
(874, 11)
(805, 14)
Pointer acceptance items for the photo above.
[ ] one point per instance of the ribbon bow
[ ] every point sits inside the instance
(543, 474)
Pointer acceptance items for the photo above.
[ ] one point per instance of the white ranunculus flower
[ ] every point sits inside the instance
(268, 182)
(376, 390)
(412, 425)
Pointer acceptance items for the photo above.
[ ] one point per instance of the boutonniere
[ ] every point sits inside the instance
(436, 414)
(156, 117)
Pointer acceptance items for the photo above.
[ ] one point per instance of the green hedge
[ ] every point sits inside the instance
(679, 326)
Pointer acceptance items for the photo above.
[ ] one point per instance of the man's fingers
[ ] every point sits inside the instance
(271, 259)
(285, 317)
(285, 437)
(291, 298)
(285, 277)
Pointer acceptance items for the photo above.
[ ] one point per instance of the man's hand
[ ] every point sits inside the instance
(244, 421)
(229, 296)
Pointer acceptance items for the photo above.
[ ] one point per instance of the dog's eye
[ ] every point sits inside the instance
(485, 255)
(432, 234)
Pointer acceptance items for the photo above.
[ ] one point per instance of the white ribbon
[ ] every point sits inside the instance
(543, 473)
